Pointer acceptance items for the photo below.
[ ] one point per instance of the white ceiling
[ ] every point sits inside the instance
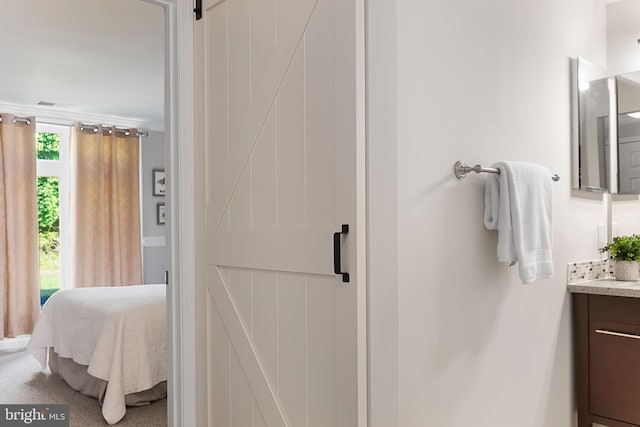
(97, 57)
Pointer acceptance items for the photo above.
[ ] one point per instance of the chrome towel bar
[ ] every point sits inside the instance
(461, 169)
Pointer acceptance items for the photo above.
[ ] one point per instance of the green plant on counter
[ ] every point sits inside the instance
(624, 248)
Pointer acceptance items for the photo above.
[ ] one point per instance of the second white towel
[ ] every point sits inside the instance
(517, 203)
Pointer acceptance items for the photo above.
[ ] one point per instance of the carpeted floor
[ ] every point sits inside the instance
(22, 381)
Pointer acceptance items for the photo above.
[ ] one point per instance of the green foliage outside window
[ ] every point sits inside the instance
(48, 148)
(48, 204)
(48, 145)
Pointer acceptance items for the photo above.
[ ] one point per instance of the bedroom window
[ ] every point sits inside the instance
(53, 177)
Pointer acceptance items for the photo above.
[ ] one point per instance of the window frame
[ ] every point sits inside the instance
(60, 169)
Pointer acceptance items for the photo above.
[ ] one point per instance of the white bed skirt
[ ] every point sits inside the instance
(76, 376)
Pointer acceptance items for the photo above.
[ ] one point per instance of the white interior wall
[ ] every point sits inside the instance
(624, 214)
(382, 202)
(623, 33)
(478, 82)
(153, 234)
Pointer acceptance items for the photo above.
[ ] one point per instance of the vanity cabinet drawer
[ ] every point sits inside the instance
(614, 370)
(614, 309)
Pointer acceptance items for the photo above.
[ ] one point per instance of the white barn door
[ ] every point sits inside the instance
(282, 84)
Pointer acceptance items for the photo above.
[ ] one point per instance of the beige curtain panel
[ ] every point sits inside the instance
(105, 208)
(19, 274)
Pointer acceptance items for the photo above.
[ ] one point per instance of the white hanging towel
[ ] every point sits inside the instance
(517, 203)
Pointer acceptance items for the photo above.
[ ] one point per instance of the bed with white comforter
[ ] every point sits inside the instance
(118, 333)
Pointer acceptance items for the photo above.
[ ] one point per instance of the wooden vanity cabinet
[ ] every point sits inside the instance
(607, 356)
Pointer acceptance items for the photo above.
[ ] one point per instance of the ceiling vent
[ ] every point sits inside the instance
(46, 103)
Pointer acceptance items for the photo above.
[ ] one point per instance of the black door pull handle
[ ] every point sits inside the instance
(336, 252)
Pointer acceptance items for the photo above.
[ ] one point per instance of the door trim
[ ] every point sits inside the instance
(183, 406)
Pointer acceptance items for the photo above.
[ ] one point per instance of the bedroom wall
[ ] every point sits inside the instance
(478, 82)
(153, 241)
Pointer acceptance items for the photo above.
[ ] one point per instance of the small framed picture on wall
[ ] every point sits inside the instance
(158, 182)
(161, 216)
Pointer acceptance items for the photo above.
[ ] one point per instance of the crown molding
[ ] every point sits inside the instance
(64, 117)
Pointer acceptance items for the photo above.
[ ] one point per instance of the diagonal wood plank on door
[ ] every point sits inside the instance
(240, 123)
(240, 339)
(307, 250)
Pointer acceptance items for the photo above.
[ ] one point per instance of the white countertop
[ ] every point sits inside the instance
(606, 287)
